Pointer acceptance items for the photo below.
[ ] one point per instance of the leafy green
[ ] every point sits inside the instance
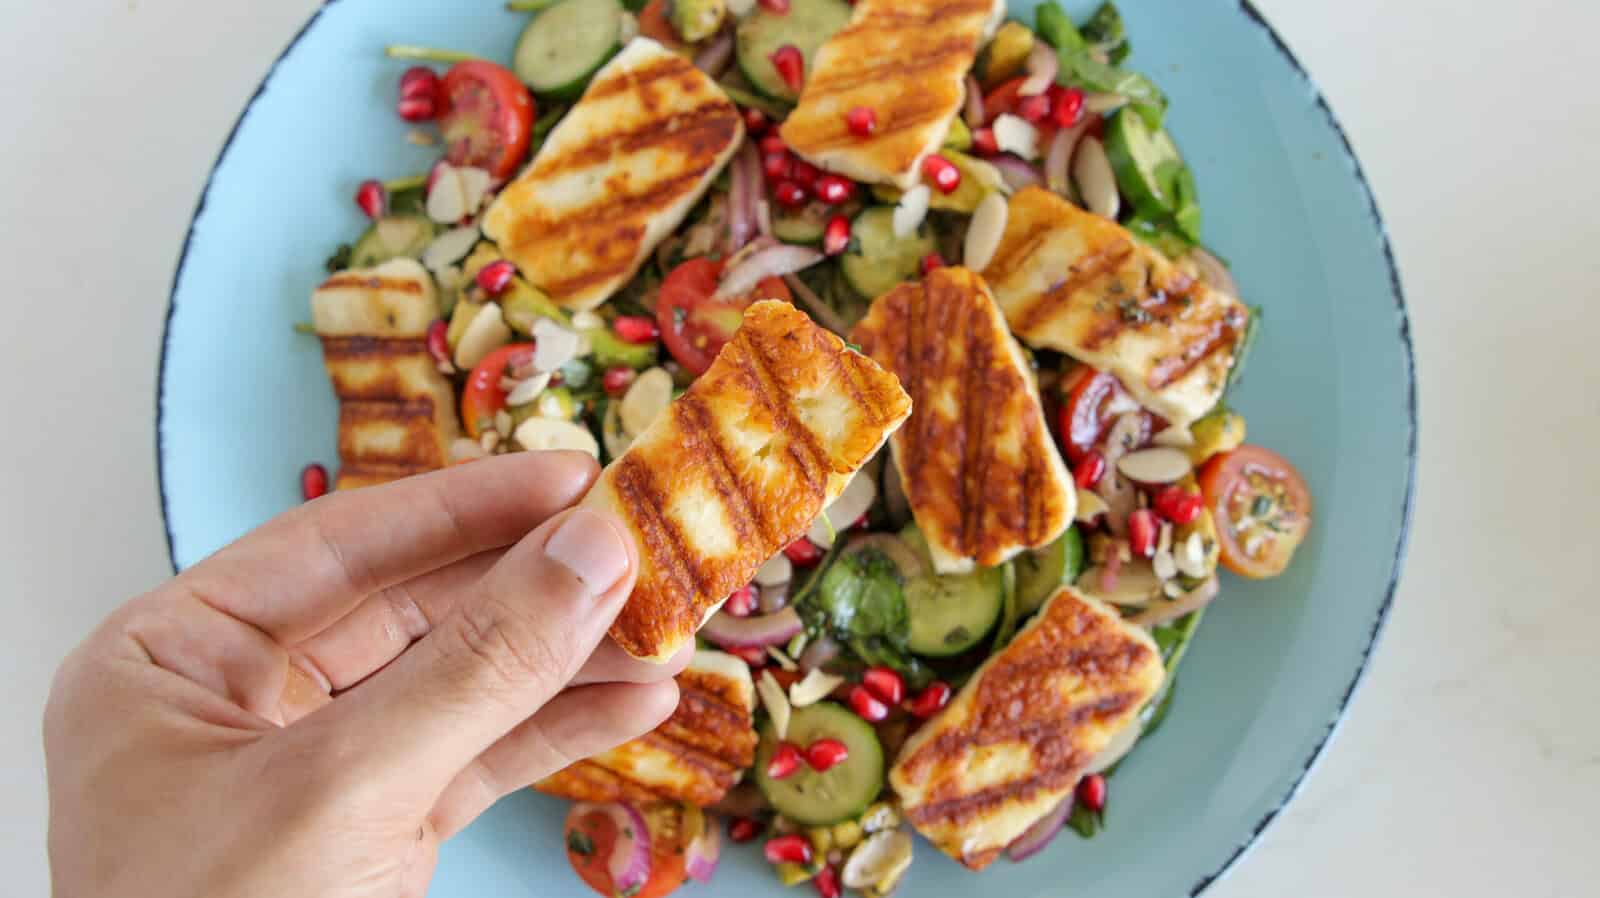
(889, 653)
(412, 200)
(1106, 32)
(1252, 332)
(340, 260)
(1154, 714)
(860, 596)
(579, 843)
(1085, 822)
(1079, 68)
(1055, 26)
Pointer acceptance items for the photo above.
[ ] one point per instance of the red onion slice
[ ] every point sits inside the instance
(629, 863)
(973, 112)
(1059, 158)
(1043, 65)
(1036, 837)
(819, 652)
(1016, 173)
(744, 185)
(815, 306)
(772, 262)
(700, 857)
(756, 631)
(715, 57)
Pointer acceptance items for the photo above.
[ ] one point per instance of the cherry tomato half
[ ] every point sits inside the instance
(694, 325)
(482, 396)
(590, 838)
(1085, 412)
(1261, 506)
(488, 117)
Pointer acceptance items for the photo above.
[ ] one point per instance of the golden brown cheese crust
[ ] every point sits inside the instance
(617, 175)
(1016, 739)
(695, 756)
(1075, 282)
(976, 459)
(739, 467)
(904, 59)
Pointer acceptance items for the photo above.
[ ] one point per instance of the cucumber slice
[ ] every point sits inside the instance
(807, 25)
(561, 49)
(953, 612)
(805, 226)
(1146, 161)
(844, 790)
(393, 237)
(880, 260)
(1043, 571)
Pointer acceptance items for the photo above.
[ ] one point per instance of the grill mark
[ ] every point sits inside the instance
(372, 282)
(715, 119)
(365, 348)
(736, 495)
(804, 449)
(637, 491)
(974, 398)
(899, 123)
(625, 81)
(844, 376)
(702, 761)
(419, 444)
(950, 53)
(1016, 250)
(1031, 317)
(1221, 332)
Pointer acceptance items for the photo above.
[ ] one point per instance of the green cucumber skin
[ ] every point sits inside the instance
(844, 791)
(941, 632)
(882, 260)
(807, 25)
(533, 63)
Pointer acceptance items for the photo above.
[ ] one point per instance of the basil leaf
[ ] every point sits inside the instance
(1107, 33)
(1085, 822)
(1055, 26)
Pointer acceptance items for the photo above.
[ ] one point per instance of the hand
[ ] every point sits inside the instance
(192, 745)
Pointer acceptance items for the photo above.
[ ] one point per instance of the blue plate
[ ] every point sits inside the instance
(244, 404)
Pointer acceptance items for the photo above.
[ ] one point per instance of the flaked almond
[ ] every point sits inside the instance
(528, 390)
(447, 198)
(776, 703)
(474, 188)
(911, 211)
(1015, 134)
(548, 434)
(486, 332)
(781, 659)
(649, 396)
(815, 686)
(1097, 183)
(1162, 464)
(1191, 556)
(1174, 438)
(1164, 566)
(449, 248)
(984, 232)
(553, 345)
(1090, 506)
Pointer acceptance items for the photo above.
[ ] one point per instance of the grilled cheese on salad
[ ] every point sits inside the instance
(694, 757)
(976, 460)
(1015, 740)
(907, 61)
(739, 466)
(618, 174)
(397, 413)
(1075, 282)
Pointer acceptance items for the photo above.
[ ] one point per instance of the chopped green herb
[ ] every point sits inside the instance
(340, 260)
(1106, 32)
(579, 843)
(305, 327)
(1260, 507)
(1085, 822)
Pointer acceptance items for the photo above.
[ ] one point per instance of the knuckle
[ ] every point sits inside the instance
(508, 647)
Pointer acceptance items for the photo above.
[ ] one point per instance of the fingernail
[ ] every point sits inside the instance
(588, 545)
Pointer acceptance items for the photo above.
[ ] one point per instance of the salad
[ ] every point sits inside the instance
(853, 636)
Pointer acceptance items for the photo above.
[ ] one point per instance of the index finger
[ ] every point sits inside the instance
(307, 568)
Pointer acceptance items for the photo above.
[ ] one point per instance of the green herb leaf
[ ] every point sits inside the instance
(1107, 33)
(1085, 822)
(340, 260)
(1055, 26)
(1080, 69)
(579, 843)
(862, 597)
(1252, 332)
(305, 327)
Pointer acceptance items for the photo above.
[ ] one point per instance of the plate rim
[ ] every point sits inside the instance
(1253, 16)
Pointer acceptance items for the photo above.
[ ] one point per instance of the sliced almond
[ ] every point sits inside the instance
(474, 188)
(783, 660)
(1175, 438)
(449, 248)
(617, 440)
(983, 234)
(910, 212)
(1015, 134)
(528, 390)
(1097, 183)
(447, 198)
(777, 571)
(815, 686)
(1164, 566)
(587, 321)
(1161, 464)
(1191, 556)
(883, 856)
(1137, 584)
(1164, 538)
(553, 345)
(649, 396)
(486, 332)
(1090, 506)
(776, 703)
(547, 434)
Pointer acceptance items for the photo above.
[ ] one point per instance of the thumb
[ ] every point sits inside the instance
(501, 654)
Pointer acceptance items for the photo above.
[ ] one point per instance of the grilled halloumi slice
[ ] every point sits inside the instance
(1072, 281)
(976, 460)
(907, 60)
(397, 413)
(739, 466)
(618, 174)
(1014, 742)
(694, 757)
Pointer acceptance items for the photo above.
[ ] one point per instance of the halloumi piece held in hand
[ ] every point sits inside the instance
(1072, 281)
(976, 459)
(618, 174)
(907, 61)
(1015, 741)
(694, 757)
(397, 413)
(739, 466)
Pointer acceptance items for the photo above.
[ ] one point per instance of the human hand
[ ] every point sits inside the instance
(192, 745)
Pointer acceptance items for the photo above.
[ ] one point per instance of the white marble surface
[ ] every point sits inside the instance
(1470, 763)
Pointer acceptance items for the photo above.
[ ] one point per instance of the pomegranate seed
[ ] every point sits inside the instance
(1142, 529)
(836, 239)
(313, 482)
(805, 174)
(373, 199)
(791, 66)
(827, 883)
(777, 166)
(984, 142)
(885, 683)
(1092, 792)
(1035, 108)
(866, 705)
(785, 761)
(861, 120)
(438, 342)
(751, 655)
(1177, 505)
(942, 172)
(789, 194)
(755, 121)
(833, 189)
(930, 262)
(791, 849)
(636, 329)
(781, 7)
(1066, 106)
(419, 81)
(495, 277)
(773, 143)
(825, 753)
(803, 552)
(617, 380)
(418, 109)
(1089, 471)
(743, 829)
(928, 702)
(741, 602)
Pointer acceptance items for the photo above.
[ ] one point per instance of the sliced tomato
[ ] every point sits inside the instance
(695, 325)
(1086, 410)
(653, 23)
(482, 396)
(591, 837)
(1261, 507)
(488, 117)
